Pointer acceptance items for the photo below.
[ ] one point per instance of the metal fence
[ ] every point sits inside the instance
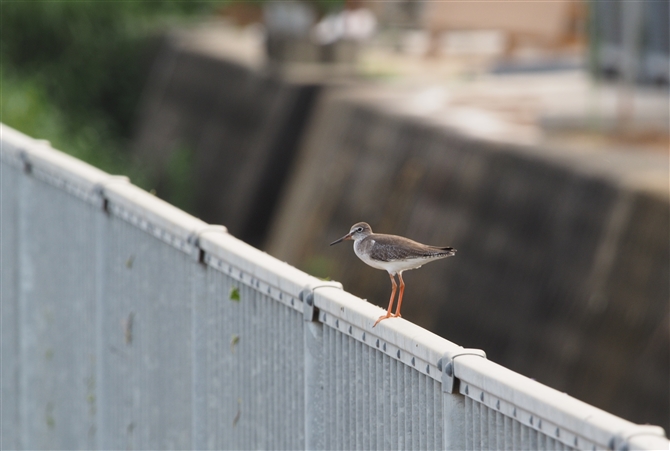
(128, 324)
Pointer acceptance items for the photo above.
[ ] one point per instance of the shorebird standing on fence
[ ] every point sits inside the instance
(394, 254)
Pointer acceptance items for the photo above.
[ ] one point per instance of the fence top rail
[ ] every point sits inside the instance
(114, 194)
(33, 154)
(545, 409)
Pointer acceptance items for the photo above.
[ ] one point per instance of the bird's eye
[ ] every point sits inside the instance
(360, 229)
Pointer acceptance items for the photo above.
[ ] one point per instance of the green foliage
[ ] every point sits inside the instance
(233, 341)
(73, 72)
(319, 266)
(27, 107)
(235, 294)
(88, 55)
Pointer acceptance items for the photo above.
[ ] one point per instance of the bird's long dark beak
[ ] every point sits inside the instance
(345, 237)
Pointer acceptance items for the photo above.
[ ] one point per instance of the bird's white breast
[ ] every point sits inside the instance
(358, 249)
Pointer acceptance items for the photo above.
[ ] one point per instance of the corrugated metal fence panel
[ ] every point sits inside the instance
(249, 323)
(145, 332)
(373, 401)
(489, 429)
(56, 317)
(249, 383)
(381, 388)
(9, 369)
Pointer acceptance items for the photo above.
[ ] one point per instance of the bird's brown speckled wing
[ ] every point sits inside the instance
(391, 247)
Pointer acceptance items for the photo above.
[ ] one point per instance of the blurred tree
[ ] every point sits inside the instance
(73, 72)
(87, 55)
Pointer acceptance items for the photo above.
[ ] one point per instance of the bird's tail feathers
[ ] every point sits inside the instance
(450, 251)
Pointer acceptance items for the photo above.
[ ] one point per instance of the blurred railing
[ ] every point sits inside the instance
(128, 324)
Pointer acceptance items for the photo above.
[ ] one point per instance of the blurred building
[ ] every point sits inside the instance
(630, 40)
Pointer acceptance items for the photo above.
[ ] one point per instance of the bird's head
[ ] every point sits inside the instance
(357, 232)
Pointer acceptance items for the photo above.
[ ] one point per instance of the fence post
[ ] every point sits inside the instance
(314, 415)
(199, 346)
(453, 417)
(453, 403)
(102, 435)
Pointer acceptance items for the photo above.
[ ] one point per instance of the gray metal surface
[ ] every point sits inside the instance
(373, 401)
(489, 429)
(145, 350)
(248, 383)
(56, 311)
(9, 368)
(127, 324)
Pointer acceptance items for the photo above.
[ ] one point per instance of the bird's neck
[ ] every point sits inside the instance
(359, 245)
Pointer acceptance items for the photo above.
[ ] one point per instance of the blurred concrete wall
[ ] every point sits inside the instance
(230, 120)
(561, 273)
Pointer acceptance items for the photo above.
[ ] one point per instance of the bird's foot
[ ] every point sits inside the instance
(383, 317)
(397, 315)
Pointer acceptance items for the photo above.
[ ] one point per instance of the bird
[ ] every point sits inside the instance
(394, 254)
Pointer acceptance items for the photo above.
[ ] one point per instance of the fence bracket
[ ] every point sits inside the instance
(311, 313)
(620, 442)
(100, 187)
(194, 240)
(25, 160)
(446, 365)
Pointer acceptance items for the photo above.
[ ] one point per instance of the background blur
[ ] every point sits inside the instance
(532, 137)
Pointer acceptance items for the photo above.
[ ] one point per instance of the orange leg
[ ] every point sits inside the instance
(388, 311)
(402, 290)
